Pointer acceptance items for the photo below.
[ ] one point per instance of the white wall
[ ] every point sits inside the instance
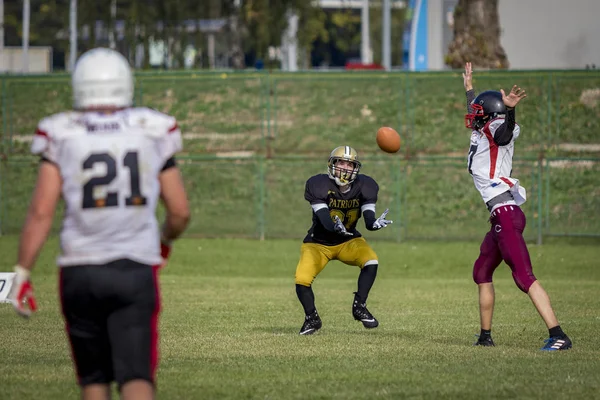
(550, 34)
(39, 57)
(435, 42)
(536, 34)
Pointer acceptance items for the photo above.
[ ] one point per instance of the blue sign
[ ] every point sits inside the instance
(415, 38)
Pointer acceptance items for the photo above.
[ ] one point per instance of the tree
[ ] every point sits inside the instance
(476, 36)
(264, 21)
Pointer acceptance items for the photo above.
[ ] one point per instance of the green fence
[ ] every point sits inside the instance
(252, 140)
(428, 199)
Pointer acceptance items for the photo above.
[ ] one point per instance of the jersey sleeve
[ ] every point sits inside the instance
(495, 124)
(43, 144)
(170, 143)
(315, 192)
(516, 131)
(370, 190)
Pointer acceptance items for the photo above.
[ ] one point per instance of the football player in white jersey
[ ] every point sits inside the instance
(491, 117)
(110, 162)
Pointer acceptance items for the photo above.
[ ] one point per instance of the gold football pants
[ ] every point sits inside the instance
(314, 257)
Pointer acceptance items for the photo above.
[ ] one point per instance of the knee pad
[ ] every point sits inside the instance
(481, 272)
(304, 279)
(524, 282)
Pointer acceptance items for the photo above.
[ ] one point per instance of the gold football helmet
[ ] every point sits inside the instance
(343, 176)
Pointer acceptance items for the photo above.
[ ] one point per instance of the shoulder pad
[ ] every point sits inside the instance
(154, 123)
(58, 125)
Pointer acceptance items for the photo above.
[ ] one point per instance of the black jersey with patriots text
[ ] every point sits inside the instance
(320, 189)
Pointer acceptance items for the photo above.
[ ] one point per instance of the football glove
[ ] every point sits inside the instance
(381, 222)
(339, 227)
(165, 250)
(21, 293)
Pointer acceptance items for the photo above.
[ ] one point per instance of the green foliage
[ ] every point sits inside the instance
(265, 21)
(312, 23)
(345, 29)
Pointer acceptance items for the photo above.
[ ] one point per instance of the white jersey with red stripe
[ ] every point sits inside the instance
(109, 164)
(491, 165)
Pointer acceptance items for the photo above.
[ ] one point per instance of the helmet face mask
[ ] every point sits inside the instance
(486, 106)
(102, 78)
(476, 119)
(342, 175)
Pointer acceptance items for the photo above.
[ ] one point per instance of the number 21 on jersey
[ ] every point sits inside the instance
(348, 218)
(130, 161)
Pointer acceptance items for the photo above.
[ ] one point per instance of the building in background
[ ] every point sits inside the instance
(39, 59)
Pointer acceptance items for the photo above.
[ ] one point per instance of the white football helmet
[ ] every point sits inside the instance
(102, 78)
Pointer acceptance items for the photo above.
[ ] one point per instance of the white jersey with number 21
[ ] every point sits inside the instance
(109, 164)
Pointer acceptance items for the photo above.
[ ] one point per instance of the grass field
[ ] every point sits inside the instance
(230, 321)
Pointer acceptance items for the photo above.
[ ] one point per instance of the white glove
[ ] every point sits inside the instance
(21, 293)
(340, 228)
(381, 222)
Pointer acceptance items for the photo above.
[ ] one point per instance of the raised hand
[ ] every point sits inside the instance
(468, 77)
(514, 97)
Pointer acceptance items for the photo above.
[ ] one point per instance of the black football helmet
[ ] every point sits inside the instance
(488, 105)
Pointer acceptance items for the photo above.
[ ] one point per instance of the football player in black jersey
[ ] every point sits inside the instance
(338, 199)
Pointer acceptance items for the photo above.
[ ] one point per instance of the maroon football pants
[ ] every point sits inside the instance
(504, 242)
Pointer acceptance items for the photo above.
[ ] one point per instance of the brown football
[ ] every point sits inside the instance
(388, 139)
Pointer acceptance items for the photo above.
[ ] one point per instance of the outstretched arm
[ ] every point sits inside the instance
(504, 133)
(514, 97)
(468, 82)
(371, 222)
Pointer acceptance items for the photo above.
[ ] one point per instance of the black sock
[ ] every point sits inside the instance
(556, 331)
(307, 298)
(366, 279)
(485, 333)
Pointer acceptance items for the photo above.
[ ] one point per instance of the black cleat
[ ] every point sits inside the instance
(485, 341)
(555, 343)
(360, 313)
(312, 323)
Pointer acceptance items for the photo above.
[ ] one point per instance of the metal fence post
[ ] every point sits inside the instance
(4, 116)
(547, 224)
(540, 194)
(10, 121)
(140, 93)
(397, 176)
(549, 111)
(261, 198)
(1, 194)
(264, 101)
